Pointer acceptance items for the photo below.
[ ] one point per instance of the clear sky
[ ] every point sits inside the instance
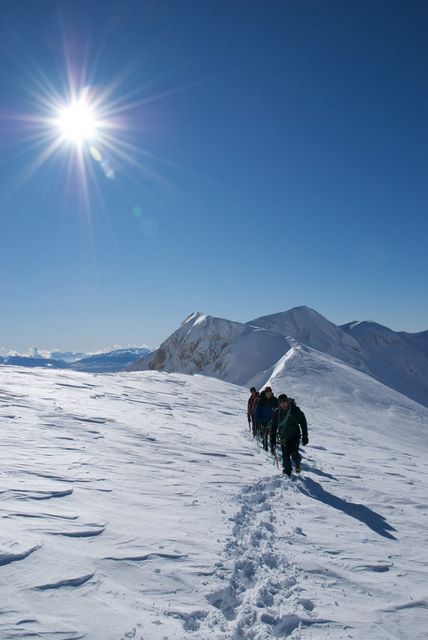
(259, 155)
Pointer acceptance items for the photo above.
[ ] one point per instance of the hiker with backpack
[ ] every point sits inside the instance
(288, 424)
(265, 408)
(251, 410)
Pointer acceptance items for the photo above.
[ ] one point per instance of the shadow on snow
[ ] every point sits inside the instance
(373, 520)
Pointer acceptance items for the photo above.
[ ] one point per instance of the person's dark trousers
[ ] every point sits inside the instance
(265, 433)
(254, 425)
(290, 449)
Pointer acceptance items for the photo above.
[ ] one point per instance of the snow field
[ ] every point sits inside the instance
(138, 506)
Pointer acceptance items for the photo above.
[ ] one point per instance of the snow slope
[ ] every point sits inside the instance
(138, 506)
(417, 340)
(398, 359)
(215, 347)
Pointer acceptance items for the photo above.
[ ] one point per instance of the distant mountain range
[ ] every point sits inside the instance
(262, 349)
(30, 361)
(109, 362)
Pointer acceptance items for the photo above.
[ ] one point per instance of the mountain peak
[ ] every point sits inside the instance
(303, 309)
(232, 351)
(296, 316)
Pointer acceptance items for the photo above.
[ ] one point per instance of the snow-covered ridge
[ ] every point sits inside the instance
(309, 327)
(248, 353)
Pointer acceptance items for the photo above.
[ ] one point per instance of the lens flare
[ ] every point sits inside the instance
(95, 153)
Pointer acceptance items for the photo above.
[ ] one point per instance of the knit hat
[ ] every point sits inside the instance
(282, 397)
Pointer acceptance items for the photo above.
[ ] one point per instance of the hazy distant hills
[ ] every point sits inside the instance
(67, 356)
(108, 362)
(29, 361)
(257, 351)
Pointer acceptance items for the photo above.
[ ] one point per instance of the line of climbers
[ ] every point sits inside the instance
(271, 419)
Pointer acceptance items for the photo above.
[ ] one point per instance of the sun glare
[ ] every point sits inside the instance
(88, 125)
(77, 122)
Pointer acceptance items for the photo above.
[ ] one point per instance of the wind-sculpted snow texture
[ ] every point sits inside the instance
(138, 506)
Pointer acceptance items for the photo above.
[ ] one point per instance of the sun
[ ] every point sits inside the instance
(92, 128)
(77, 122)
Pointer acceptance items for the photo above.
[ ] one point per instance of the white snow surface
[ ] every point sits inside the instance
(137, 505)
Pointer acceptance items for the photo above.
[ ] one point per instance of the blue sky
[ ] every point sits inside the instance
(276, 156)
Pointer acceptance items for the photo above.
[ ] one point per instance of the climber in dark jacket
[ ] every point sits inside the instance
(265, 407)
(252, 409)
(288, 423)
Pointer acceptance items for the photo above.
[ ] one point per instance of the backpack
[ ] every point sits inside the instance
(282, 426)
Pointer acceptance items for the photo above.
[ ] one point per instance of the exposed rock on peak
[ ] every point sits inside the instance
(207, 345)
